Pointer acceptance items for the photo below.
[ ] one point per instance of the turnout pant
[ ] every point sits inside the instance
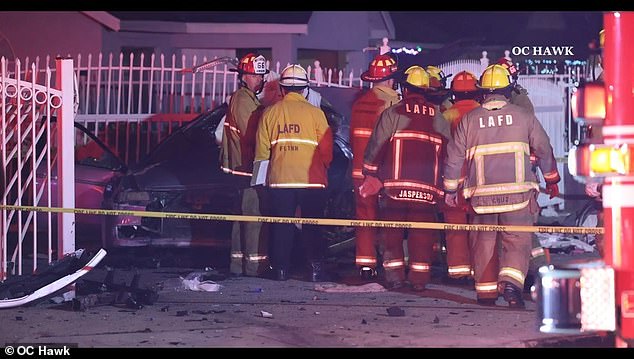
(507, 261)
(311, 202)
(249, 240)
(458, 249)
(365, 237)
(420, 242)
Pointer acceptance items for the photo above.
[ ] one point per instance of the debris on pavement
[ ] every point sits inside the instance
(293, 301)
(107, 292)
(195, 282)
(343, 288)
(266, 314)
(395, 312)
(81, 304)
(22, 289)
(57, 300)
(436, 320)
(202, 312)
(563, 242)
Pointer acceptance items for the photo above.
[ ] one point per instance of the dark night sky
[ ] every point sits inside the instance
(520, 28)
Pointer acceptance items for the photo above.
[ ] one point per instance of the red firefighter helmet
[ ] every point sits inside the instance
(464, 81)
(382, 68)
(251, 64)
(510, 67)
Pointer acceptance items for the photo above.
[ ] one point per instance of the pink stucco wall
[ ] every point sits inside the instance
(41, 33)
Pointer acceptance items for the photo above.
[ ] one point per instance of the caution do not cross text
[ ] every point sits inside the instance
(316, 221)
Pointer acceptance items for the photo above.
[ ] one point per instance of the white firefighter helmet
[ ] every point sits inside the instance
(294, 76)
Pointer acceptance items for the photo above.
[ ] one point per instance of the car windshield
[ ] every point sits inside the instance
(198, 133)
(90, 151)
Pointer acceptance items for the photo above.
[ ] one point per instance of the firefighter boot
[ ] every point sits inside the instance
(318, 273)
(513, 295)
(278, 273)
(367, 273)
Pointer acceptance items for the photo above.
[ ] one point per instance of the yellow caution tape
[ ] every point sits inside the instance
(316, 221)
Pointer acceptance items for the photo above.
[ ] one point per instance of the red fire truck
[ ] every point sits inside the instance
(599, 295)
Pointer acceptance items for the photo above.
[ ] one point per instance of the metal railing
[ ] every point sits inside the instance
(29, 164)
(139, 100)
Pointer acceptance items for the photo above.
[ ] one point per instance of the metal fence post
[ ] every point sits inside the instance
(65, 156)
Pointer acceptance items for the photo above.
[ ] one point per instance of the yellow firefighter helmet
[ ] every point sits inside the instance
(437, 77)
(494, 77)
(416, 76)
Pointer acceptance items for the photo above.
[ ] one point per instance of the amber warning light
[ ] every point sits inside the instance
(588, 103)
(597, 160)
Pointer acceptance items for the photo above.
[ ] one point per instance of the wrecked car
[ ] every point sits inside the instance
(183, 174)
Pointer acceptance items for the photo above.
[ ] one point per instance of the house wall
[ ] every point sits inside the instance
(345, 31)
(172, 43)
(336, 30)
(42, 33)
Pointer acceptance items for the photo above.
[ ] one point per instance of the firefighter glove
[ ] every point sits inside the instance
(552, 189)
(593, 189)
(370, 186)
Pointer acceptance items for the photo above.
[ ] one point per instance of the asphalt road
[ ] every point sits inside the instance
(254, 312)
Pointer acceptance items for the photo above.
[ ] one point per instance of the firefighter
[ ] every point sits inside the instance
(464, 92)
(403, 157)
(294, 136)
(439, 95)
(249, 240)
(495, 141)
(540, 256)
(365, 112)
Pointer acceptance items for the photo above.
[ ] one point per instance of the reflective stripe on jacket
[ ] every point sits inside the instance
(495, 141)
(365, 112)
(295, 137)
(405, 151)
(238, 136)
